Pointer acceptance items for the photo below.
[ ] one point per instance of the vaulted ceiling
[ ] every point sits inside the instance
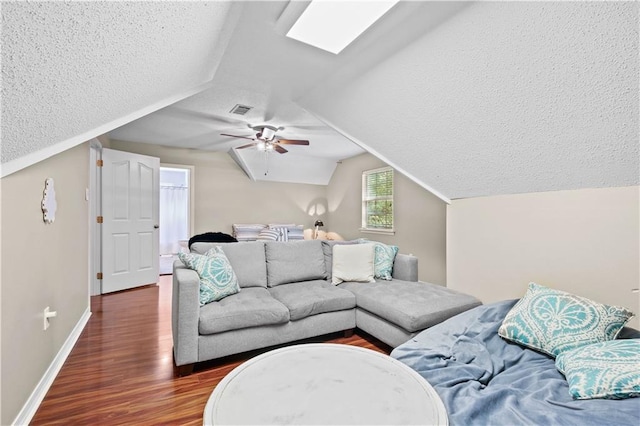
(467, 99)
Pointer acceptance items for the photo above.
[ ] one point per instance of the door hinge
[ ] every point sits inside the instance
(99, 163)
(99, 275)
(99, 219)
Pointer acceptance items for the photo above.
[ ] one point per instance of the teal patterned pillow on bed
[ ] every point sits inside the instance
(217, 279)
(608, 370)
(385, 255)
(553, 321)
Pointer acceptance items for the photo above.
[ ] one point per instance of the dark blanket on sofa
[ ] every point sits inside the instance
(212, 237)
(485, 380)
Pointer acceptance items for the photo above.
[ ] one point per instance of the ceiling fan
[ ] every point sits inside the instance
(266, 141)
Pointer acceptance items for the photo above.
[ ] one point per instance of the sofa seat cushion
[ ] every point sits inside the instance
(307, 298)
(294, 261)
(413, 306)
(251, 307)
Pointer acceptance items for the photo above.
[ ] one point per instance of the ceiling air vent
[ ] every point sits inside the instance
(240, 109)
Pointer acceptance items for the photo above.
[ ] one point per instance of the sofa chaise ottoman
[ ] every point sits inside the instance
(286, 295)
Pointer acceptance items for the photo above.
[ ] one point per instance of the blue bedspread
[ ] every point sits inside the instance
(485, 380)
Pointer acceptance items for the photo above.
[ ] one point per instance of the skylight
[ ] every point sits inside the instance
(332, 25)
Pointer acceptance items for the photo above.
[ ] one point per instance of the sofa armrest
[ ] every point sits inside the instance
(185, 314)
(405, 267)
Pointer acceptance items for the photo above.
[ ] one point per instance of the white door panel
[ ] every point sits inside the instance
(130, 197)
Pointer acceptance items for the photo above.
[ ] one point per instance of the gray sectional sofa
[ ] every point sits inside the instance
(286, 295)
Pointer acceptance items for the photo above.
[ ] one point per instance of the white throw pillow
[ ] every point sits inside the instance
(353, 263)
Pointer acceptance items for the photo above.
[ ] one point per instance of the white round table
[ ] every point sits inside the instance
(324, 384)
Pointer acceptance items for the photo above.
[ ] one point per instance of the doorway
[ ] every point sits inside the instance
(122, 258)
(176, 212)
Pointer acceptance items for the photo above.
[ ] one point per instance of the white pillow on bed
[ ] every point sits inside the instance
(353, 263)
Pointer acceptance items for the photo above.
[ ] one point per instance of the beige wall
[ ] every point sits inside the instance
(420, 217)
(42, 265)
(224, 195)
(584, 241)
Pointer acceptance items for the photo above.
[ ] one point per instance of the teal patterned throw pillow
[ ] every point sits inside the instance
(553, 321)
(217, 279)
(385, 255)
(608, 370)
(383, 261)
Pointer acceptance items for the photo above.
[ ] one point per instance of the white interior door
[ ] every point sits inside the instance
(130, 210)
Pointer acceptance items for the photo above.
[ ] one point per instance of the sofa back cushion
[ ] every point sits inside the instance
(246, 258)
(294, 261)
(203, 247)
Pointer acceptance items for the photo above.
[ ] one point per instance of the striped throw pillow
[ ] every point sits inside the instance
(283, 233)
(268, 235)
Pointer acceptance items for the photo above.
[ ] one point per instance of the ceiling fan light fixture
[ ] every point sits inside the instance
(265, 140)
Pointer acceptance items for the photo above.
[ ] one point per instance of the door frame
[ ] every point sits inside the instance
(95, 210)
(192, 190)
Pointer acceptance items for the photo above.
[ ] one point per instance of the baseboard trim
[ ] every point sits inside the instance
(29, 409)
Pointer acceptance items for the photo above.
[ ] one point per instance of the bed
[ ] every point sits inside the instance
(485, 380)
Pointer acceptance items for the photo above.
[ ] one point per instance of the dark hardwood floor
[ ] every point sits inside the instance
(121, 371)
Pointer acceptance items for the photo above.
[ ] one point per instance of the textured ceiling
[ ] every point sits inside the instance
(268, 71)
(69, 67)
(466, 98)
(504, 97)
(263, 69)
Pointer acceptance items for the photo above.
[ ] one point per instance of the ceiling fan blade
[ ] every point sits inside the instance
(293, 142)
(236, 136)
(247, 145)
(279, 149)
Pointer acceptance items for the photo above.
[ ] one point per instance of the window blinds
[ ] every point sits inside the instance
(377, 199)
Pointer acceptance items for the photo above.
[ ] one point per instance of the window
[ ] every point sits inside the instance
(347, 20)
(377, 200)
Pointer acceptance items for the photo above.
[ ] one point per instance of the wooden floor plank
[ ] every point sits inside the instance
(121, 370)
